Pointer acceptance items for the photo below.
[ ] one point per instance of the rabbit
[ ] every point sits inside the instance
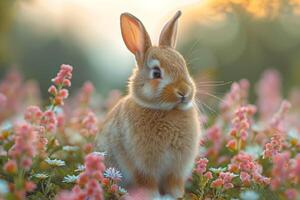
(152, 134)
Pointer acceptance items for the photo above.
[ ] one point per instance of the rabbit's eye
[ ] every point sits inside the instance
(156, 73)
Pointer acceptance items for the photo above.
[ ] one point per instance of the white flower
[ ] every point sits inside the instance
(249, 195)
(217, 170)
(41, 175)
(98, 153)
(112, 173)
(55, 162)
(70, 148)
(70, 178)
(80, 168)
(3, 187)
(122, 190)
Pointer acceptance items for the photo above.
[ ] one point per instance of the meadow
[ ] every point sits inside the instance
(248, 150)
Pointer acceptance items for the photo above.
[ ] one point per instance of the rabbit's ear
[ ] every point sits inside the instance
(135, 36)
(168, 34)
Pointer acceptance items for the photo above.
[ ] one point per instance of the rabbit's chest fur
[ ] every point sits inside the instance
(156, 140)
(152, 141)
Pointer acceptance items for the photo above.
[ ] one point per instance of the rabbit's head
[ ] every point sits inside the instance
(161, 80)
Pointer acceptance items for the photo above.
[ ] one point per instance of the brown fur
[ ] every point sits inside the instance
(153, 147)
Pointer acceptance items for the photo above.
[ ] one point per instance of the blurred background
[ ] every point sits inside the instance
(223, 40)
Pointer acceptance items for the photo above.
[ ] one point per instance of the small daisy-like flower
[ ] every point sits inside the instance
(80, 168)
(70, 148)
(122, 190)
(113, 174)
(55, 162)
(98, 153)
(40, 176)
(70, 179)
(218, 170)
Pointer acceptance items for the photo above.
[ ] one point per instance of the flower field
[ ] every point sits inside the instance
(248, 150)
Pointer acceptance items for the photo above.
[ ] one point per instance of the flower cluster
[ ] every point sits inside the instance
(224, 180)
(241, 124)
(249, 169)
(274, 146)
(21, 156)
(24, 148)
(88, 186)
(61, 80)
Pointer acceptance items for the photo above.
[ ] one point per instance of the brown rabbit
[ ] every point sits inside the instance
(152, 133)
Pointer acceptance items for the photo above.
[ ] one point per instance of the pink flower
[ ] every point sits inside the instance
(295, 169)
(281, 169)
(33, 114)
(29, 186)
(63, 93)
(12, 93)
(291, 194)
(10, 167)
(277, 121)
(52, 90)
(242, 120)
(114, 188)
(208, 175)
(94, 164)
(49, 121)
(217, 183)
(64, 74)
(25, 138)
(86, 93)
(245, 178)
(89, 124)
(68, 195)
(241, 123)
(245, 165)
(88, 183)
(224, 180)
(236, 97)
(201, 165)
(232, 144)
(24, 148)
(61, 80)
(274, 146)
(26, 163)
(213, 136)
(269, 95)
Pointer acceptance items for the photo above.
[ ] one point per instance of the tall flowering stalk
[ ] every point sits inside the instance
(58, 91)
(269, 94)
(83, 118)
(11, 83)
(241, 124)
(21, 156)
(236, 97)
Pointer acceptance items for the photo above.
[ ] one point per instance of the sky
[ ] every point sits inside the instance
(95, 23)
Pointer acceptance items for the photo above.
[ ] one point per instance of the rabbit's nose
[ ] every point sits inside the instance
(181, 95)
